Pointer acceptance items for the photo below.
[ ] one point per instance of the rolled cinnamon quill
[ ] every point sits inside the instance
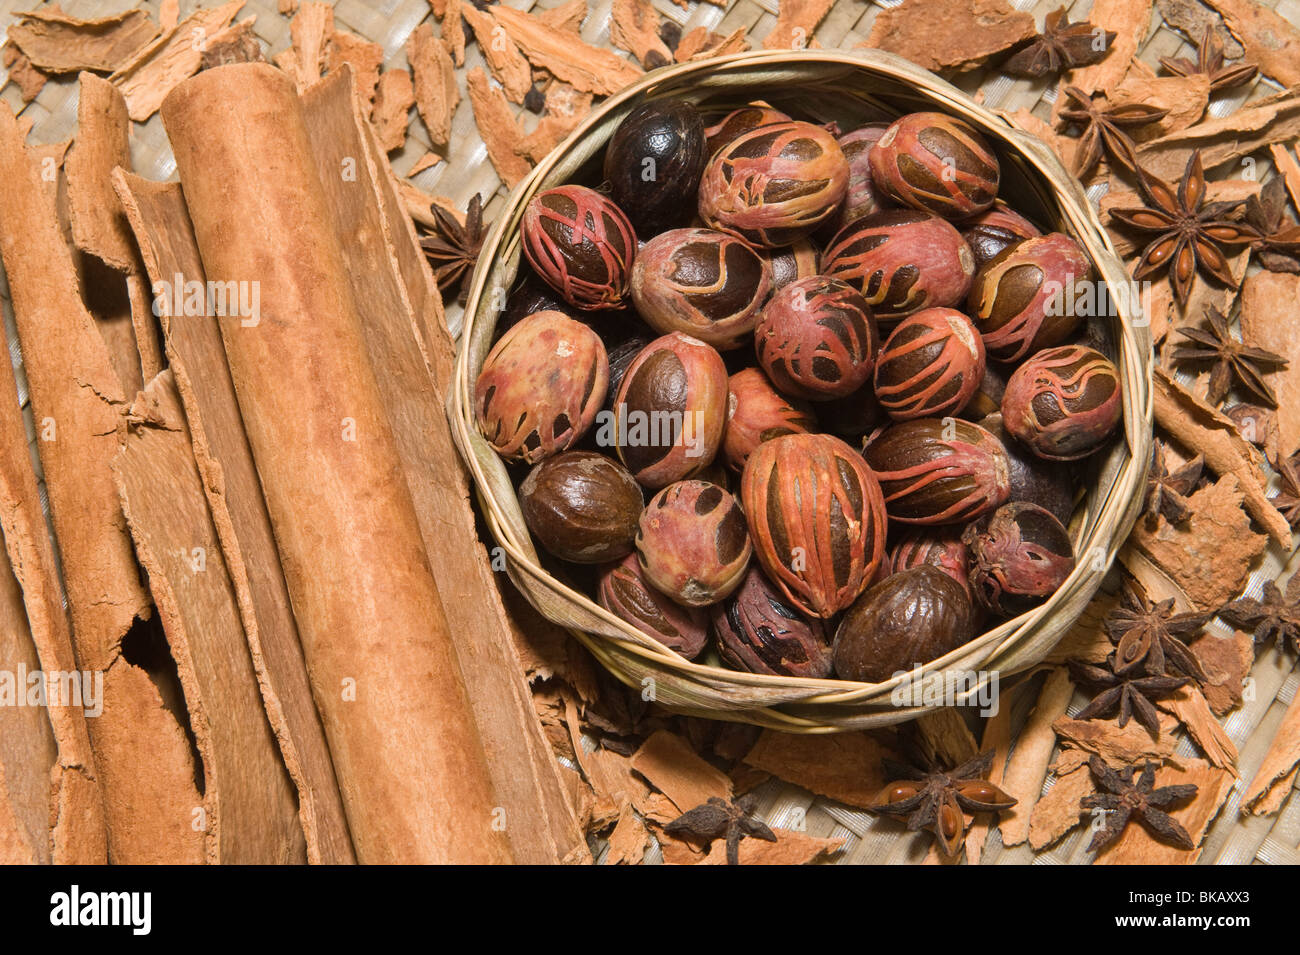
(410, 765)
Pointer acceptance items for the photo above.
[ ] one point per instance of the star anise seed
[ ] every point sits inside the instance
(1232, 359)
(1061, 46)
(1287, 500)
(453, 249)
(1123, 798)
(1151, 638)
(1126, 696)
(718, 818)
(935, 798)
(1211, 61)
(1167, 491)
(1189, 233)
(1277, 247)
(1276, 617)
(1104, 128)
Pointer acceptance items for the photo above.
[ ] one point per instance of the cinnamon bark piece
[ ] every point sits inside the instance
(503, 58)
(498, 127)
(453, 29)
(840, 766)
(366, 59)
(409, 760)
(1276, 775)
(1130, 20)
(98, 224)
(795, 22)
(634, 26)
(29, 80)
(1268, 320)
(950, 37)
(539, 823)
(1270, 40)
(394, 98)
(248, 797)
(589, 68)
(1027, 766)
(234, 44)
(196, 356)
(436, 93)
(57, 43)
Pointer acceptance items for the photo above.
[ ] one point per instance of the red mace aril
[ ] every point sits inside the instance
(693, 543)
(817, 520)
(938, 547)
(757, 631)
(624, 592)
(1019, 558)
(775, 184)
(936, 162)
(817, 339)
(939, 470)
(541, 387)
(930, 366)
(581, 244)
(901, 260)
(1032, 295)
(757, 412)
(1064, 403)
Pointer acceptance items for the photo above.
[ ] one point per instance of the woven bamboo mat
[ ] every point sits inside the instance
(1232, 838)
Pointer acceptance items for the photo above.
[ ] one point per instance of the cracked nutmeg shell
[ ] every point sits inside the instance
(671, 409)
(941, 547)
(939, 470)
(757, 412)
(936, 162)
(775, 184)
(624, 591)
(653, 164)
(993, 230)
(907, 620)
(1063, 403)
(758, 631)
(1018, 558)
(901, 260)
(1029, 296)
(817, 339)
(817, 520)
(582, 507)
(692, 543)
(931, 365)
(707, 284)
(581, 244)
(541, 387)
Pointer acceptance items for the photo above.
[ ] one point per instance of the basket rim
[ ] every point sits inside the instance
(1116, 512)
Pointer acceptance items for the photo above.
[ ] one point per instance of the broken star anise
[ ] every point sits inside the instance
(1233, 360)
(1211, 61)
(1122, 798)
(1104, 128)
(1189, 233)
(1275, 617)
(1061, 46)
(1126, 696)
(934, 798)
(1277, 245)
(1287, 500)
(717, 819)
(1149, 637)
(1167, 490)
(453, 248)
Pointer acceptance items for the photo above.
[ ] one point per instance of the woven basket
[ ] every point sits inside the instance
(851, 88)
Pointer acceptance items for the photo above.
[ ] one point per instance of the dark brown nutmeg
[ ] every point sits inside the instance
(541, 387)
(705, 283)
(987, 399)
(624, 592)
(851, 417)
(939, 470)
(653, 164)
(739, 122)
(905, 621)
(817, 339)
(671, 410)
(862, 197)
(901, 260)
(621, 357)
(758, 631)
(790, 263)
(1019, 558)
(693, 543)
(1064, 403)
(817, 519)
(581, 244)
(757, 412)
(940, 547)
(582, 507)
(775, 184)
(1049, 484)
(1032, 295)
(995, 229)
(931, 365)
(936, 162)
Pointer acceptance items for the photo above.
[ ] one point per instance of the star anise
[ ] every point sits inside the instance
(718, 818)
(1277, 246)
(1061, 46)
(1167, 491)
(1126, 696)
(1232, 359)
(1149, 637)
(453, 248)
(1189, 233)
(934, 798)
(1287, 500)
(1276, 617)
(1104, 128)
(1122, 799)
(1211, 61)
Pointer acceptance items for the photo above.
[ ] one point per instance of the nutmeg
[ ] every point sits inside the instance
(653, 164)
(940, 547)
(624, 592)
(1064, 403)
(758, 631)
(817, 339)
(581, 244)
(582, 507)
(1049, 484)
(930, 366)
(994, 229)
(693, 543)
(1018, 558)
(935, 162)
(757, 412)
